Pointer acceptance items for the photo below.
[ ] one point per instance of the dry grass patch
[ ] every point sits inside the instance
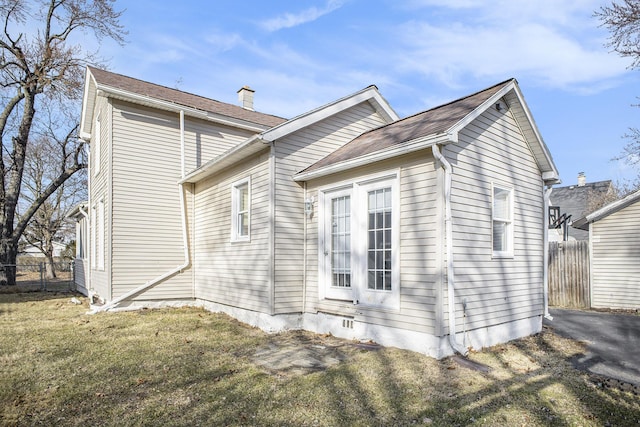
(59, 366)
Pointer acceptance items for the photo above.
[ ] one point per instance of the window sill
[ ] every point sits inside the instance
(502, 255)
(241, 240)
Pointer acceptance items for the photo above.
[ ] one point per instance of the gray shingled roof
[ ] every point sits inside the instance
(430, 122)
(574, 200)
(186, 99)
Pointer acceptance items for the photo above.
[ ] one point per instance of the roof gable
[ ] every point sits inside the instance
(254, 144)
(607, 210)
(369, 94)
(139, 91)
(437, 125)
(574, 199)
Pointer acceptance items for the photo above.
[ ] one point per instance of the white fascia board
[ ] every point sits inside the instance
(368, 94)
(75, 210)
(551, 177)
(613, 207)
(171, 106)
(481, 109)
(534, 127)
(87, 109)
(250, 146)
(403, 148)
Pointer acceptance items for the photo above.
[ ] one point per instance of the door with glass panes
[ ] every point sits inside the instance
(359, 243)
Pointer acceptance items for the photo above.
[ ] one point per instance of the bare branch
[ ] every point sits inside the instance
(623, 22)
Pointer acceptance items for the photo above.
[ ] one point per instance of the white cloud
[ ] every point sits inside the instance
(289, 20)
(220, 42)
(512, 43)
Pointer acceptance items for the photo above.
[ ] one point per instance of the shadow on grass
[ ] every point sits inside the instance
(191, 367)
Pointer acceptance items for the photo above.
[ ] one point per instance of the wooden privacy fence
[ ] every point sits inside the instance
(569, 274)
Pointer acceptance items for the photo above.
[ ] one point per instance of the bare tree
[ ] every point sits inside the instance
(46, 152)
(38, 64)
(622, 19)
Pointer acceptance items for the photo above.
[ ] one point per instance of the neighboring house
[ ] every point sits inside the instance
(80, 213)
(576, 201)
(31, 251)
(614, 240)
(425, 233)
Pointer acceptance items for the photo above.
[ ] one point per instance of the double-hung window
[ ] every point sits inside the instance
(100, 238)
(359, 242)
(241, 210)
(97, 147)
(502, 224)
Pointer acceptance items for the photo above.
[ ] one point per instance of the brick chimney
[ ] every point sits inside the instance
(582, 179)
(245, 96)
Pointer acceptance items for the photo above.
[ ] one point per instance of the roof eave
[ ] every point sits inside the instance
(77, 210)
(174, 107)
(550, 174)
(251, 146)
(369, 93)
(385, 154)
(553, 170)
(613, 207)
(86, 118)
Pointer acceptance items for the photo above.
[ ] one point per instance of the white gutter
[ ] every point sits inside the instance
(545, 269)
(449, 236)
(171, 106)
(404, 148)
(227, 158)
(185, 244)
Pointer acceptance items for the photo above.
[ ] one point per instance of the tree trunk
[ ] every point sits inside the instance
(8, 254)
(50, 268)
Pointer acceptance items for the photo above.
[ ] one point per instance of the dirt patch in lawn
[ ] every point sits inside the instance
(300, 352)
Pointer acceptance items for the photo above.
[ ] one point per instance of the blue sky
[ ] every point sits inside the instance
(298, 55)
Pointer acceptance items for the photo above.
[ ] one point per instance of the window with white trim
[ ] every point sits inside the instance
(502, 224)
(94, 233)
(241, 210)
(98, 131)
(100, 239)
(341, 241)
(359, 231)
(379, 242)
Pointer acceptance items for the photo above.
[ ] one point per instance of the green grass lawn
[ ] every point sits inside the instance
(188, 367)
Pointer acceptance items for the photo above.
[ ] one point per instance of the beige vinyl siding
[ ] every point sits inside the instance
(497, 290)
(147, 217)
(100, 191)
(615, 266)
(233, 273)
(293, 154)
(205, 140)
(147, 224)
(420, 220)
(80, 274)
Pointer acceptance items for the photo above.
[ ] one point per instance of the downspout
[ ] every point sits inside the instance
(87, 248)
(446, 166)
(90, 292)
(304, 254)
(185, 241)
(182, 156)
(545, 269)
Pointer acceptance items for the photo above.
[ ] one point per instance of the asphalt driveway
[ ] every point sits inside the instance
(613, 341)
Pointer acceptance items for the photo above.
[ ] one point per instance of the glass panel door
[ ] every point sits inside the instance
(337, 245)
